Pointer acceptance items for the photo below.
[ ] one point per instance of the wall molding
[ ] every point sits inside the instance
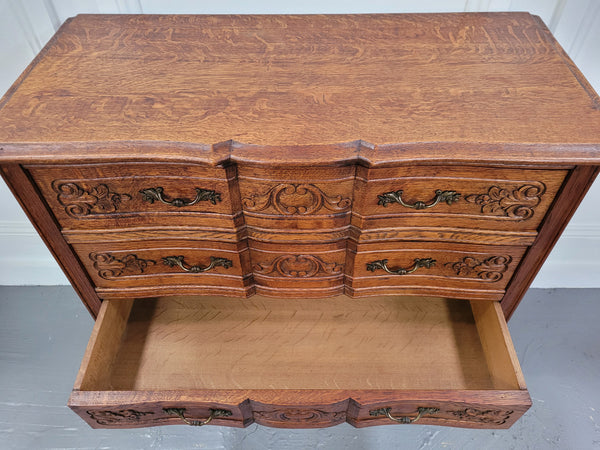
(10, 228)
(24, 259)
(573, 262)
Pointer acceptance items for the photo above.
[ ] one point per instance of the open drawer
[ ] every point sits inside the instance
(300, 363)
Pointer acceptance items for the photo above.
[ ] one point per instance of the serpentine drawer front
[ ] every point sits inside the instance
(221, 190)
(142, 268)
(92, 196)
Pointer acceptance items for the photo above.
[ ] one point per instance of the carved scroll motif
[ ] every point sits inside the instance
(298, 266)
(518, 203)
(493, 416)
(312, 416)
(117, 417)
(80, 202)
(489, 269)
(109, 267)
(296, 199)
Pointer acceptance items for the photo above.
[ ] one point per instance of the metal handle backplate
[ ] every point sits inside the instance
(173, 261)
(382, 264)
(421, 411)
(180, 412)
(448, 197)
(202, 195)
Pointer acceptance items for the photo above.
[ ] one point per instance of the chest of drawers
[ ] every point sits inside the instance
(300, 220)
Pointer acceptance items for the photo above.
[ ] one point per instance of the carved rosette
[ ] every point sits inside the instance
(109, 267)
(493, 416)
(126, 416)
(298, 266)
(489, 269)
(296, 199)
(517, 203)
(80, 202)
(300, 416)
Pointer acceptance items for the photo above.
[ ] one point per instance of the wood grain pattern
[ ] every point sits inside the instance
(141, 263)
(133, 266)
(453, 90)
(169, 339)
(487, 198)
(473, 67)
(96, 196)
(323, 141)
(573, 191)
(283, 204)
(495, 339)
(459, 408)
(460, 270)
(227, 344)
(103, 343)
(90, 197)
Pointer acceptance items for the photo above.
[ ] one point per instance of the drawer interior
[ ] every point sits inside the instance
(220, 343)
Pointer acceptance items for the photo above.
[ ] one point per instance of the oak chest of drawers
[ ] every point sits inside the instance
(300, 220)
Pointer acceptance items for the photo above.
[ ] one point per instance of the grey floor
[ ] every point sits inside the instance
(44, 331)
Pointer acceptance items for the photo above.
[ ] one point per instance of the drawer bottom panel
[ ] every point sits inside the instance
(299, 363)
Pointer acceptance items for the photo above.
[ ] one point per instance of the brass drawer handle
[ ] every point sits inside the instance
(202, 195)
(382, 264)
(180, 412)
(173, 261)
(440, 196)
(404, 419)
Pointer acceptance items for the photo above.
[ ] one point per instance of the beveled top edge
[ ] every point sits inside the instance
(346, 153)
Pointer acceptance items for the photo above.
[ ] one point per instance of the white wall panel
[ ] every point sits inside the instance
(542, 8)
(25, 26)
(68, 8)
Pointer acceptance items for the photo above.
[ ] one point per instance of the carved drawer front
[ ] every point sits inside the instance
(299, 269)
(299, 363)
(466, 271)
(153, 414)
(307, 199)
(448, 199)
(127, 195)
(140, 268)
(299, 416)
(452, 410)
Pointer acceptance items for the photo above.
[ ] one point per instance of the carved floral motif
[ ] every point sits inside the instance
(298, 266)
(109, 267)
(296, 199)
(518, 203)
(494, 416)
(117, 417)
(490, 269)
(81, 202)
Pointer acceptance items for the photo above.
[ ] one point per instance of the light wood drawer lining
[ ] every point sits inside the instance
(168, 338)
(228, 345)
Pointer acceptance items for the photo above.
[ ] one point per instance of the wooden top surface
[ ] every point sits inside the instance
(301, 80)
